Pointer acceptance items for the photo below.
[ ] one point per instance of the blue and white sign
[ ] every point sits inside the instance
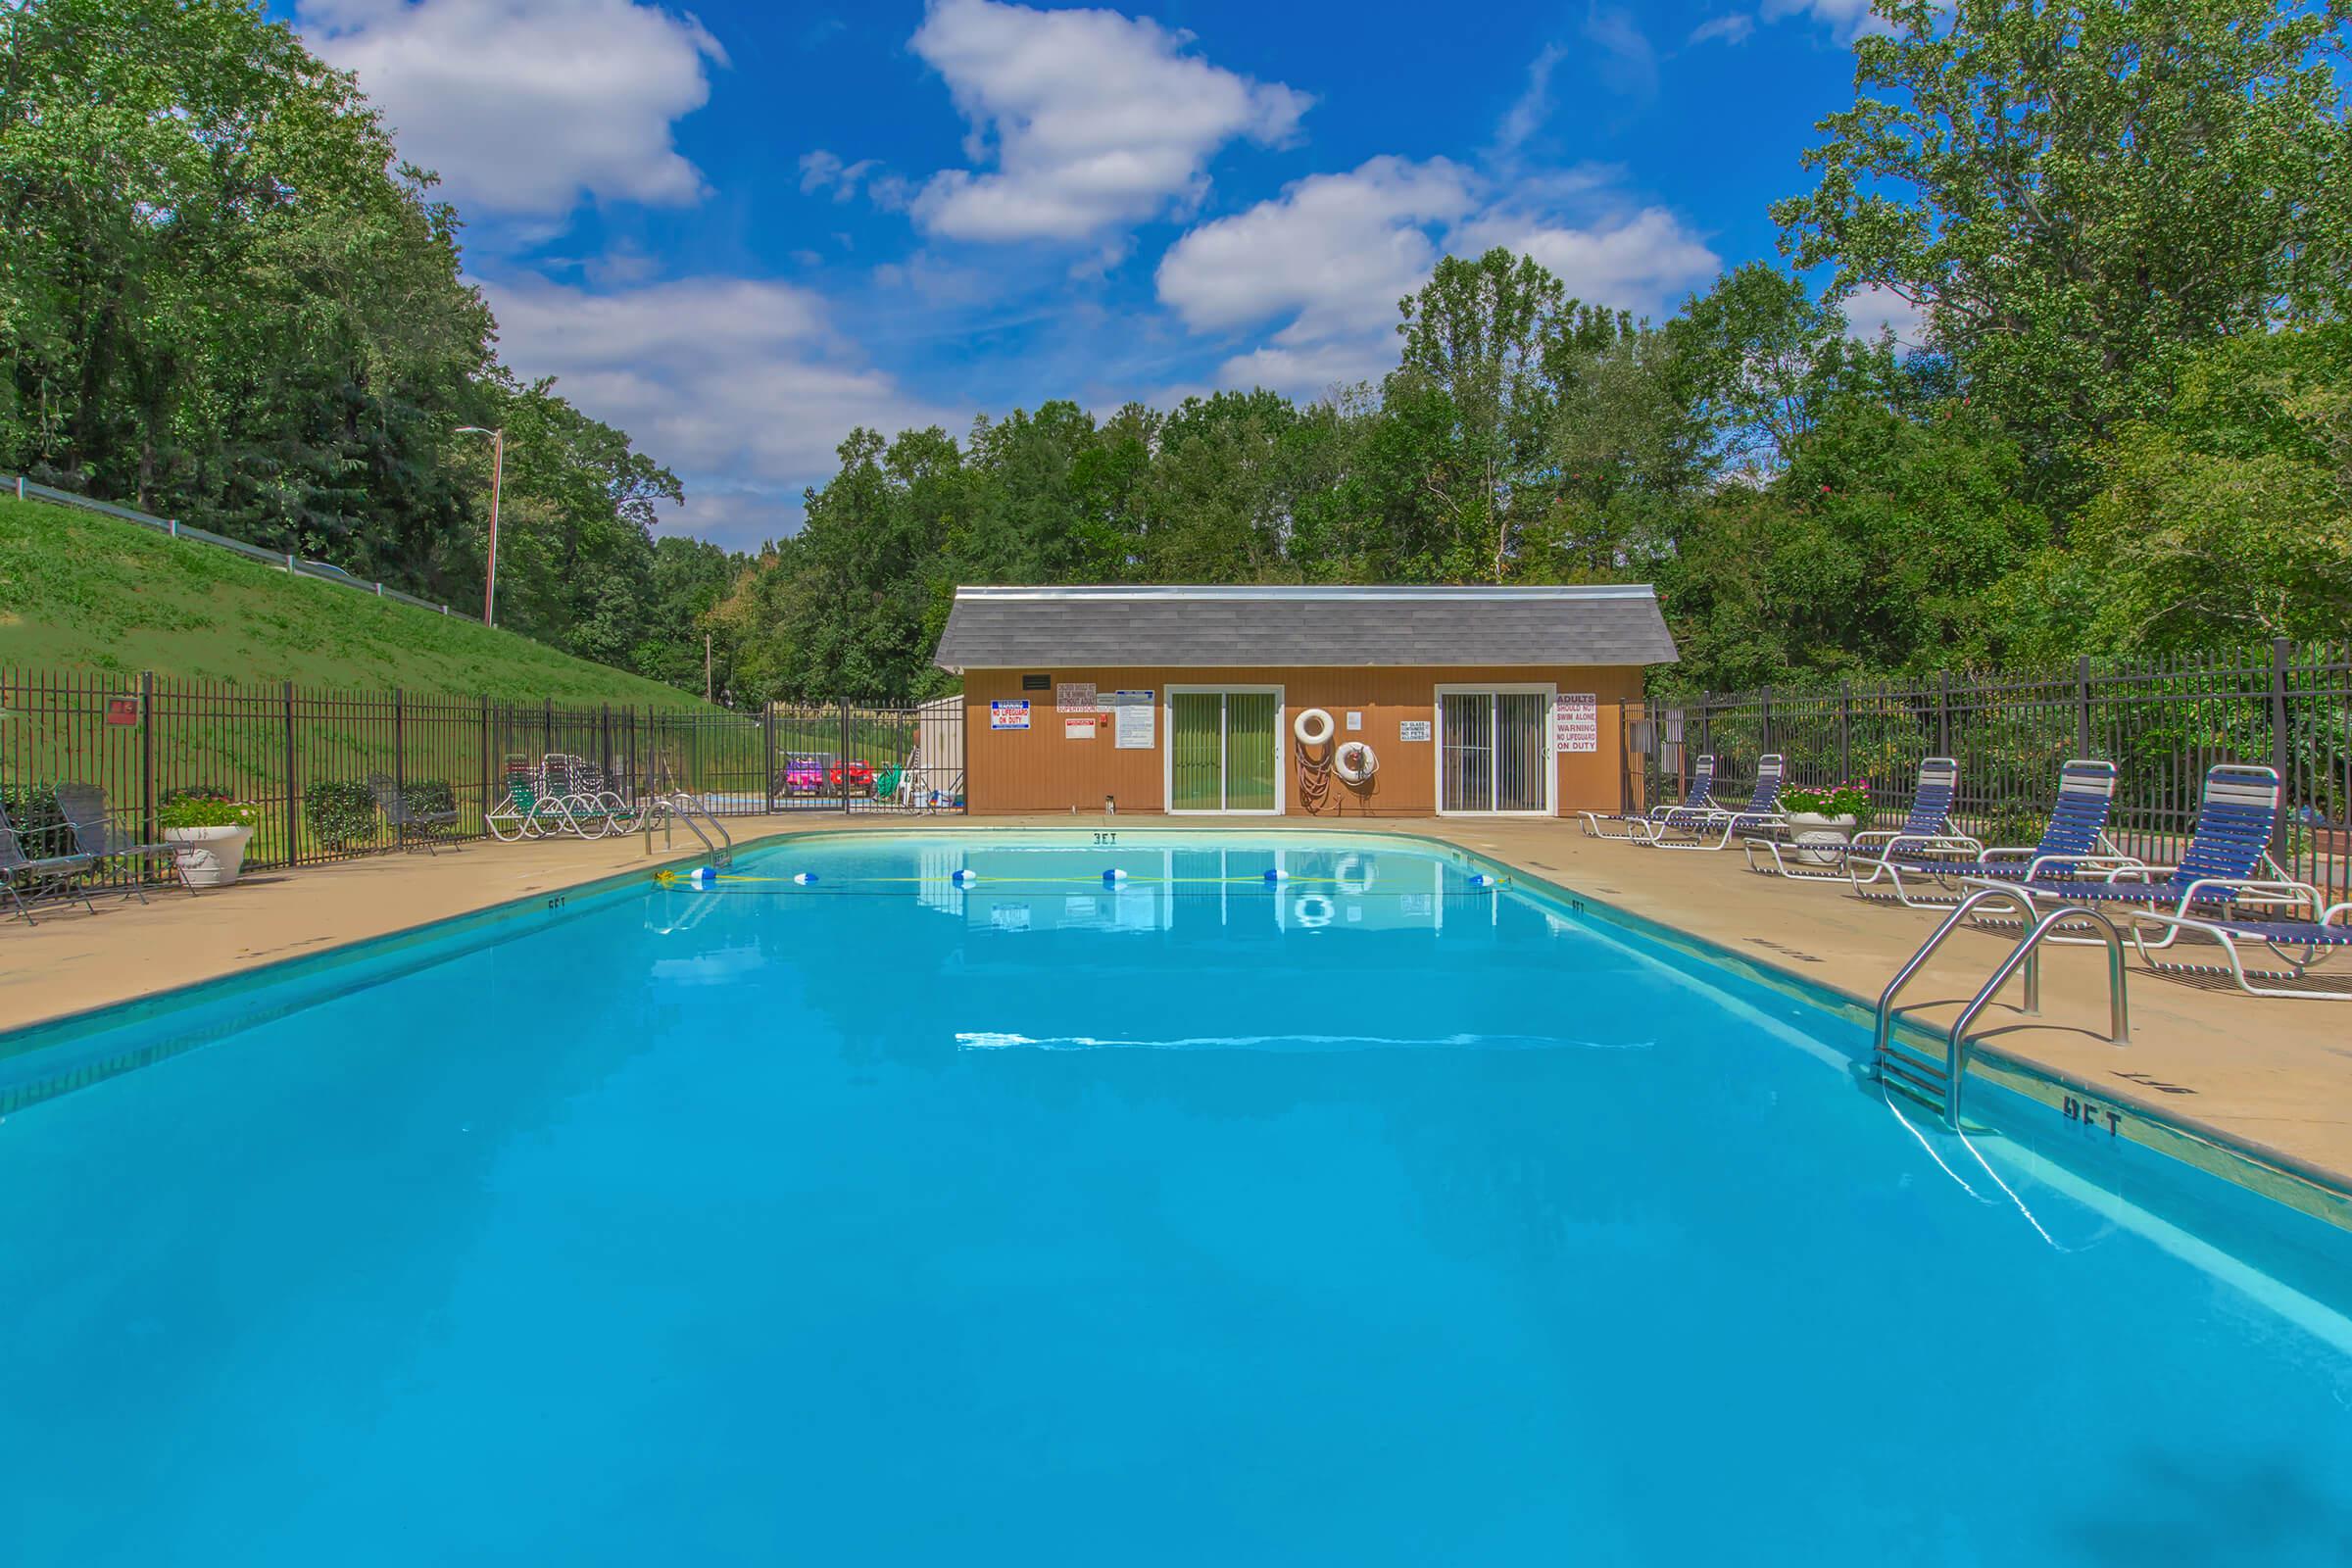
(1008, 716)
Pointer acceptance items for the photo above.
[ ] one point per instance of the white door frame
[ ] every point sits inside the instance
(1167, 760)
(1552, 762)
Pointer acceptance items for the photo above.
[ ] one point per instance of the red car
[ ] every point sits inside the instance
(814, 775)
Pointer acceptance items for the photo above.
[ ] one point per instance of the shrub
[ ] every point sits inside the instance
(203, 811)
(197, 791)
(341, 811)
(427, 795)
(32, 809)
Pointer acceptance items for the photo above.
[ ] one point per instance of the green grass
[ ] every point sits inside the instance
(80, 591)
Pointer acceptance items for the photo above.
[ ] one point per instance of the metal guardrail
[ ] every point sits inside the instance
(27, 490)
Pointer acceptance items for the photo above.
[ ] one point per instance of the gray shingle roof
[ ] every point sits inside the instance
(1002, 628)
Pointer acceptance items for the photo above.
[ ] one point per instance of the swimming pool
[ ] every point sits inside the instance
(1358, 1217)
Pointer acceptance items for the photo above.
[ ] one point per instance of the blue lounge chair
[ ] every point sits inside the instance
(1698, 798)
(2228, 862)
(1926, 830)
(1713, 829)
(2320, 938)
(2073, 843)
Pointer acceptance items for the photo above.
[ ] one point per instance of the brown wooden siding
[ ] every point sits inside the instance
(1038, 770)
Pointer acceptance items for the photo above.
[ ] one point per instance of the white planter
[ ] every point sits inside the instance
(208, 857)
(1830, 833)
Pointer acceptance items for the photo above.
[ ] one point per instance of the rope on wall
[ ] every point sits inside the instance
(1314, 775)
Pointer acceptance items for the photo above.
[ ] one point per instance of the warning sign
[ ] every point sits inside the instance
(1576, 722)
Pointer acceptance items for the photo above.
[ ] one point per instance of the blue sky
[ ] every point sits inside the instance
(739, 231)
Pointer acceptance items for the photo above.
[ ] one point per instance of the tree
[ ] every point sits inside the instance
(1628, 450)
(224, 298)
(1757, 354)
(2228, 518)
(1491, 338)
(2074, 194)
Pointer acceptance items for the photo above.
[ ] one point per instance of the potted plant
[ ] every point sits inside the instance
(1826, 817)
(210, 837)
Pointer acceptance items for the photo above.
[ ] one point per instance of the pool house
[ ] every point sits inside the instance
(1274, 700)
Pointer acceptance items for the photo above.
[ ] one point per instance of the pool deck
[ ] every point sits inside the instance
(2272, 1076)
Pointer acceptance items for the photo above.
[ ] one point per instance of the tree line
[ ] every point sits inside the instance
(224, 298)
(2123, 423)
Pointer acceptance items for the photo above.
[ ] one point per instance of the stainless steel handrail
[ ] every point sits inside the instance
(2027, 952)
(1902, 976)
(682, 806)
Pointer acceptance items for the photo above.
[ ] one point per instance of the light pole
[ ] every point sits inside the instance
(498, 464)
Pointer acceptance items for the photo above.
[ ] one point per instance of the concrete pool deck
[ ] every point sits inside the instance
(2273, 1077)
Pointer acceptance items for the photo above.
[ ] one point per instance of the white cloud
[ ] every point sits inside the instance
(1874, 307)
(527, 106)
(1333, 253)
(1735, 29)
(1534, 104)
(1636, 262)
(1626, 61)
(1848, 18)
(824, 170)
(1095, 120)
(738, 384)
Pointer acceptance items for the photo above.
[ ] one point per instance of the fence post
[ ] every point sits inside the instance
(604, 739)
(546, 727)
(2083, 706)
(1706, 734)
(1764, 721)
(400, 744)
(489, 761)
(2282, 653)
(146, 760)
(1845, 726)
(1944, 713)
(767, 758)
(844, 764)
(293, 795)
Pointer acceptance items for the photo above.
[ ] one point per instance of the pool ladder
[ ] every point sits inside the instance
(1904, 1068)
(682, 806)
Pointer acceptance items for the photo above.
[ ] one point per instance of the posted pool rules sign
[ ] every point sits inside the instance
(1576, 722)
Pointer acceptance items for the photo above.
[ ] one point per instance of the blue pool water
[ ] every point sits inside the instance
(1362, 1219)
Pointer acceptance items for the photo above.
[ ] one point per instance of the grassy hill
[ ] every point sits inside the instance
(80, 590)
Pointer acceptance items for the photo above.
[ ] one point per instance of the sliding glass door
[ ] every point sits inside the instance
(1225, 750)
(1495, 750)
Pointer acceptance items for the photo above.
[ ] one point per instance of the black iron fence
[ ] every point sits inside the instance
(2163, 722)
(303, 758)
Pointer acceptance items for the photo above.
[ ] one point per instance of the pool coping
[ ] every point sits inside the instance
(2244, 1162)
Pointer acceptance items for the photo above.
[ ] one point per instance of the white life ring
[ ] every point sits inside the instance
(1312, 911)
(1353, 875)
(1312, 726)
(1355, 762)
